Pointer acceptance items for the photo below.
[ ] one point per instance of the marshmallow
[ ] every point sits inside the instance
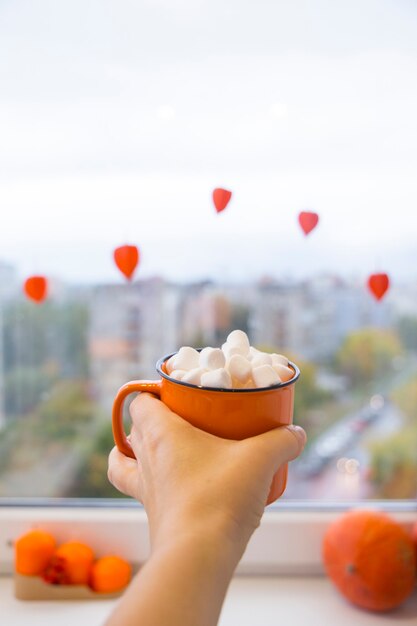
(186, 359)
(279, 359)
(253, 352)
(193, 377)
(238, 338)
(212, 358)
(217, 378)
(178, 374)
(248, 385)
(265, 376)
(239, 368)
(169, 364)
(285, 373)
(229, 350)
(236, 384)
(237, 365)
(261, 359)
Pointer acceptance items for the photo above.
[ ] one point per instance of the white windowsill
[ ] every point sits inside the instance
(268, 601)
(286, 543)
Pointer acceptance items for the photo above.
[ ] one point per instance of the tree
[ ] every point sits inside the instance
(308, 394)
(405, 397)
(66, 411)
(394, 465)
(24, 388)
(55, 439)
(407, 329)
(91, 480)
(367, 355)
(52, 334)
(394, 459)
(41, 344)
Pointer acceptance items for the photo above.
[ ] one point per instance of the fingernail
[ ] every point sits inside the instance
(300, 433)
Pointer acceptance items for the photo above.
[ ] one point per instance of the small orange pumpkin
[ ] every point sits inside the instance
(110, 574)
(371, 559)
(33, 551)
(70, 564)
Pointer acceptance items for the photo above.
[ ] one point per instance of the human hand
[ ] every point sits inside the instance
(192, 482)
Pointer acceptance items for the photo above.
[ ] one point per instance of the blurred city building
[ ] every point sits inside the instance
(131, 326)
(210, 311)
(310, 319)
(8, 289)
(403, 297)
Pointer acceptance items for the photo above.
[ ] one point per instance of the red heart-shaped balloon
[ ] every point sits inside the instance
(126, 259)
(308, 221)
(221, 198)
(378, 285)
(36, 288)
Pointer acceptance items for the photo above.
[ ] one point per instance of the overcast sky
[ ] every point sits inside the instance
(118, 117)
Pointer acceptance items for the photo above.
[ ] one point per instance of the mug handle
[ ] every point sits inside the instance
(134, 386)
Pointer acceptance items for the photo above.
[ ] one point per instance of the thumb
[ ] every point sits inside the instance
(124, 474)
(280, 445)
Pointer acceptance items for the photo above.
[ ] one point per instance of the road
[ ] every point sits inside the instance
(337, 465)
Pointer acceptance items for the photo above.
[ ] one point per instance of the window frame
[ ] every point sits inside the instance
(288, 541)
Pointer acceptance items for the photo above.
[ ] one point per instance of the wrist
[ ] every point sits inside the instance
(202, 552)
(218, 538)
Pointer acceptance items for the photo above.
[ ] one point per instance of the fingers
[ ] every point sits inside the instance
(124, 474)
(300, 436)
(280, 445)
(146, 410)
(152, 421)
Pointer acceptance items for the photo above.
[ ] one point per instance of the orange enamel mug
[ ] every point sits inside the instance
(228, 413)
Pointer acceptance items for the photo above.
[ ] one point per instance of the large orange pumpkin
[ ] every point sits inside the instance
(371, 559)
(414, 538)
